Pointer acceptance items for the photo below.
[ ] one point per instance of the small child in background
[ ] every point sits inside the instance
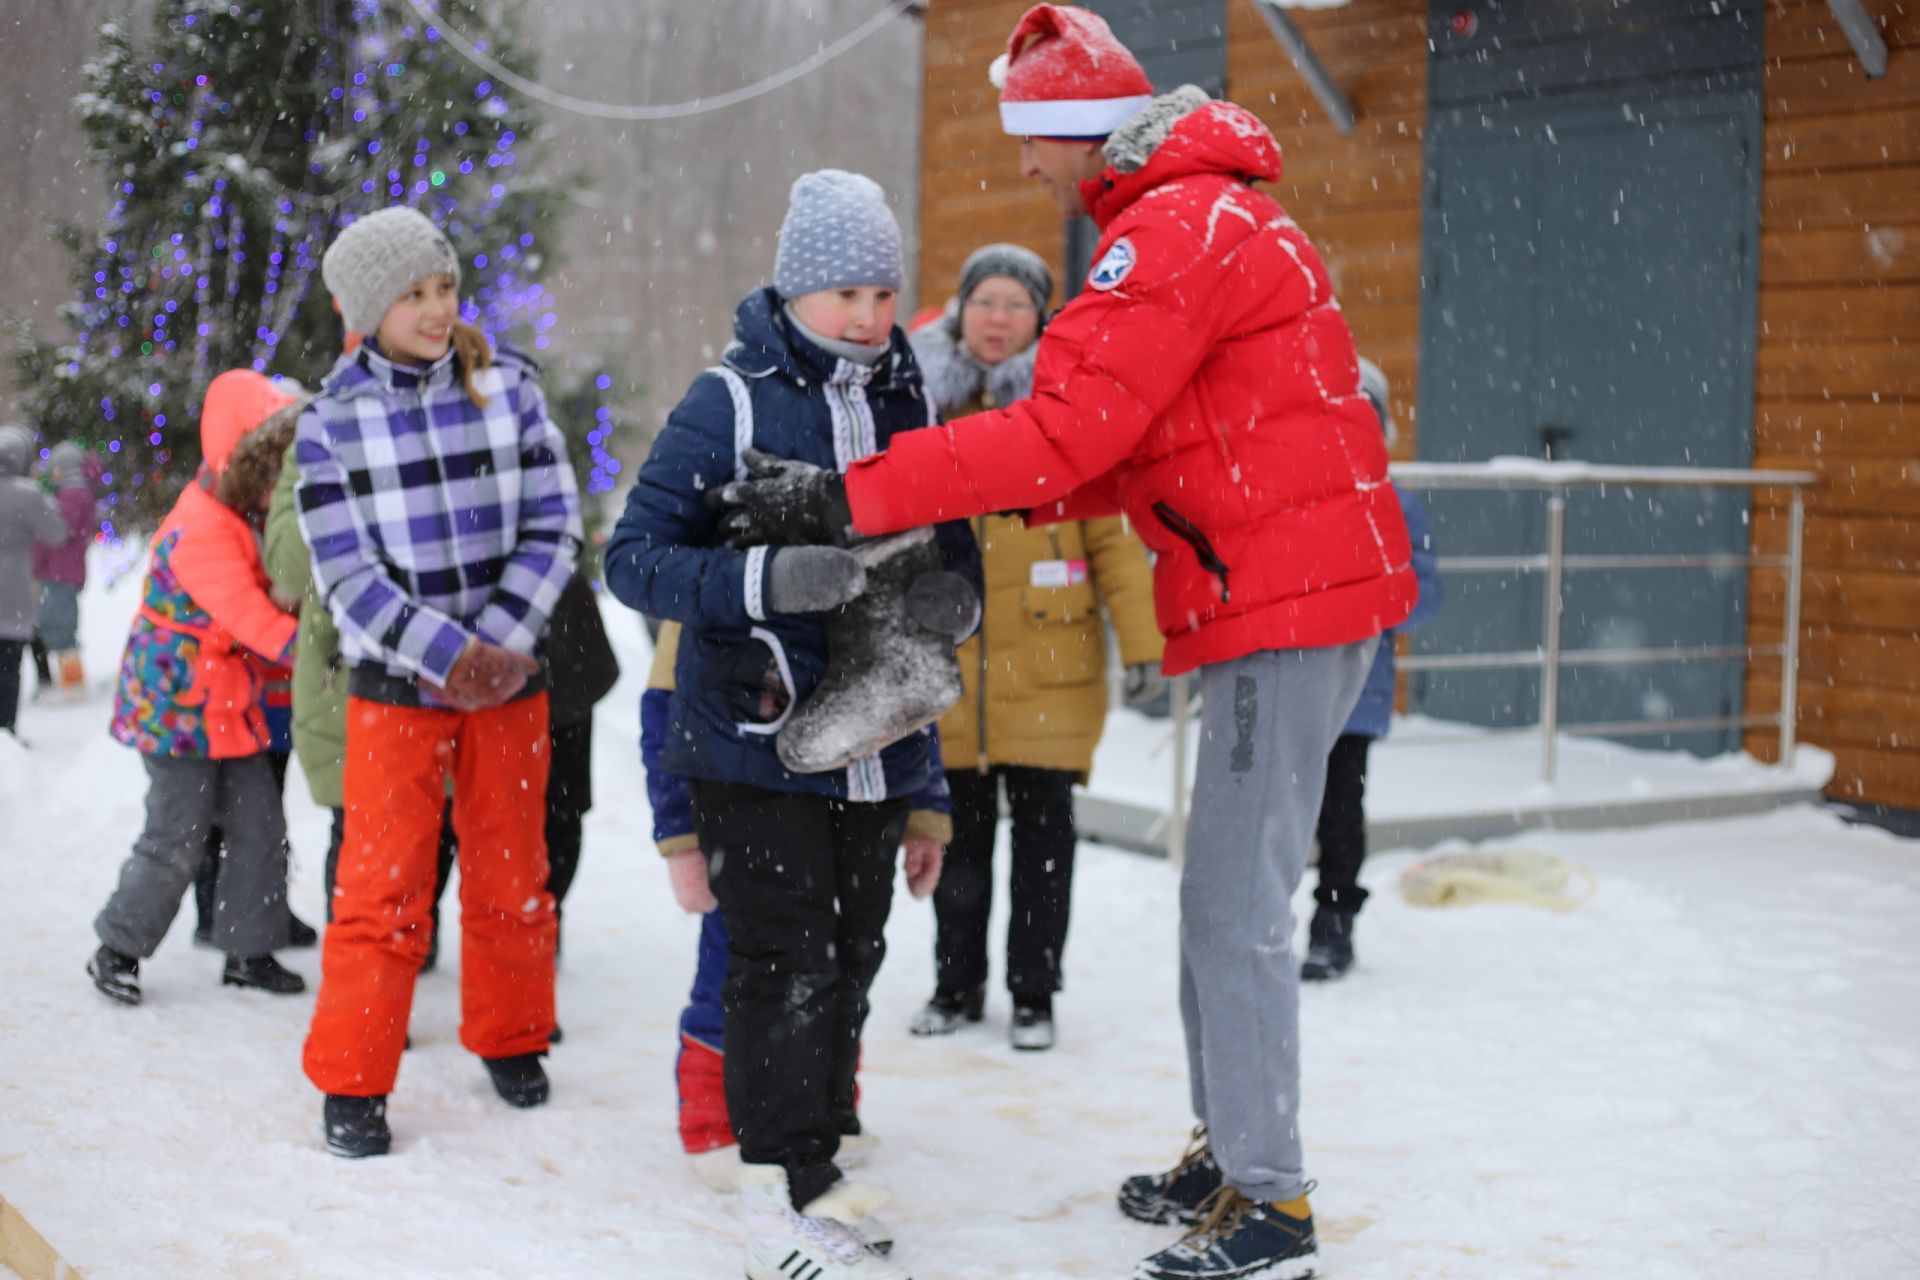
(1342, 827)
(208, 639)
(61, 571)
(28, 519)
(444, 522)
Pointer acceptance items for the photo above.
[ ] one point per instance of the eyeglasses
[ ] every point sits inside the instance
(984, 306)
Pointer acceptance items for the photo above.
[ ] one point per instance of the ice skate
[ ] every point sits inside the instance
(887, 674)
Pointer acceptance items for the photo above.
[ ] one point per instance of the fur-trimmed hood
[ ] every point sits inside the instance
(1178, 135)
(956, 380)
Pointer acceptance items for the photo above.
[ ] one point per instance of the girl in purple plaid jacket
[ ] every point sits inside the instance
(436, 497)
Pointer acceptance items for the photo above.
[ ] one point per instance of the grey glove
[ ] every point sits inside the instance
(944, 602)
(813, 579)
(1143, 683)
(784, 503)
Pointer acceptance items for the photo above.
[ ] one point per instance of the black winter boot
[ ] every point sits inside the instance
(117, 976)
(262, 973)
(1177, 1194)
(520, 1079)
(1032, 1027)
(887, 675)
(947, 1010)
(300, 934)
(356, 1127)
(1329, 946)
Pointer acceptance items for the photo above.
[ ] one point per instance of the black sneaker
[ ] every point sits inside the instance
(116, 976)
(262, 973)
(300, 934)
(356, 1127)
(520, 1079)
(1177, 1194)
(947, 1010)
(1240, 1239)
(1329, 946)
(1032, 1028)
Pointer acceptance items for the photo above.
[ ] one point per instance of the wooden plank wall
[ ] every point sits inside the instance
(971, 191)
(1838, 386)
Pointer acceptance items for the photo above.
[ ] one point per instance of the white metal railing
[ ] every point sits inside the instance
(1555, 479)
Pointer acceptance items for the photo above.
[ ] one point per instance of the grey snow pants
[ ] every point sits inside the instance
(1268, 721)
(185, 797)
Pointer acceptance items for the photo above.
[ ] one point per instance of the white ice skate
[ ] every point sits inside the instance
(823, 1243)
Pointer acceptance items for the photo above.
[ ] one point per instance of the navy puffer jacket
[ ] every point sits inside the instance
(742, 669)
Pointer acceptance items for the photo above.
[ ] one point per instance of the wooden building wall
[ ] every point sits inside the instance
(1838, 389)
(1839, 345)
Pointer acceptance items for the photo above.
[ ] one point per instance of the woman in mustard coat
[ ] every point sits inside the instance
(1035, 675)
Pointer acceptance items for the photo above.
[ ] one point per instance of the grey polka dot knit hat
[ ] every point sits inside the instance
(838, 234)
(371, 263)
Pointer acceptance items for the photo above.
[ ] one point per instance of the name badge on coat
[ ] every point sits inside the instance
(1057, 573)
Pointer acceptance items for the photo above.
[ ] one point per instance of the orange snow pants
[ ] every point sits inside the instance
(397, 763)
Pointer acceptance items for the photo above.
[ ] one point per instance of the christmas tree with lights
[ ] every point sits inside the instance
(237, 140)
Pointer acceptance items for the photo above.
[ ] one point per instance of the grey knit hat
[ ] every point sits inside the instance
(1373, 384)
(1017, 263)
(838, 234)
(371, 263)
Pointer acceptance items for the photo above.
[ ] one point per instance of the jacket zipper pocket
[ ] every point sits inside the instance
(1189, 533)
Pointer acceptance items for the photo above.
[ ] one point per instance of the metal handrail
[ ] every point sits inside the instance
(1555, 479)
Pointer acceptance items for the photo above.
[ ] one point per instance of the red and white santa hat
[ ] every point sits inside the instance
(1064, 75)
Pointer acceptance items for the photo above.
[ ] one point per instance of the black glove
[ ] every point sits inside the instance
(813, 579)
(944, 602)
(785, 503)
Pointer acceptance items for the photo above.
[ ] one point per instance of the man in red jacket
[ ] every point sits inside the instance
(1205, 384)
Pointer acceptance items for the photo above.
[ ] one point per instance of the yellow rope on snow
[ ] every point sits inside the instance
(1513, 875)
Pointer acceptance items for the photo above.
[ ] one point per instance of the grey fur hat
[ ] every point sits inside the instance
(371, 263)
(16, 450)
(1016, 262)
(838, 234)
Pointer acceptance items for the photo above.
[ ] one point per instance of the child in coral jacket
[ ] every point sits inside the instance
(207, 642)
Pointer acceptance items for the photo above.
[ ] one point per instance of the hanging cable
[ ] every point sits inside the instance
(664, 111)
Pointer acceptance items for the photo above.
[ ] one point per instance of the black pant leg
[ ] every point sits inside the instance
(1040, 890)
(335, 838)
(42, 667)
(963, 900)
(1342, 828)
(10, 651)
(867, 839)
(569, 796)
(444, 857)
(771, 859)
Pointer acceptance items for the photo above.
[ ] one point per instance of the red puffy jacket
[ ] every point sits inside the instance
(1205, 384)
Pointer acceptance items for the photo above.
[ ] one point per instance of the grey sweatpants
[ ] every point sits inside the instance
(185, 797)
(1268, 722)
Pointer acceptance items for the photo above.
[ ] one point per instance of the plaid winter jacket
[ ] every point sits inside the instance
(433, 520)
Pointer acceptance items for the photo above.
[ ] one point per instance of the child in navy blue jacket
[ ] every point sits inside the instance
(801, 865)
(1342, 828)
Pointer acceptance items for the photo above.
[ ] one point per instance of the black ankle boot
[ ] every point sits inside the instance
(1032, 1027)
(519, 1079)
(1329, 946)
(356, 1127)
(117, 976)
(948, 1009)
(262, 973)
(300, 934)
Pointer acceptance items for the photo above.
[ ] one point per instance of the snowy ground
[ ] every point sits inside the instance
(1710, 1070)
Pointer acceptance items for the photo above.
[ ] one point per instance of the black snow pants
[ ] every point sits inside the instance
(1342, 829)
(1040, 886)
(805, 884)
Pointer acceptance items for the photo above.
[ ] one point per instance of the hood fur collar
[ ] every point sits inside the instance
(1133, 143)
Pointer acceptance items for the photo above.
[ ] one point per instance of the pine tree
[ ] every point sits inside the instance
(238, 139)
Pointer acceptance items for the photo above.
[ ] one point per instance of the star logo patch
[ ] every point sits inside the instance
(1113, 267)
